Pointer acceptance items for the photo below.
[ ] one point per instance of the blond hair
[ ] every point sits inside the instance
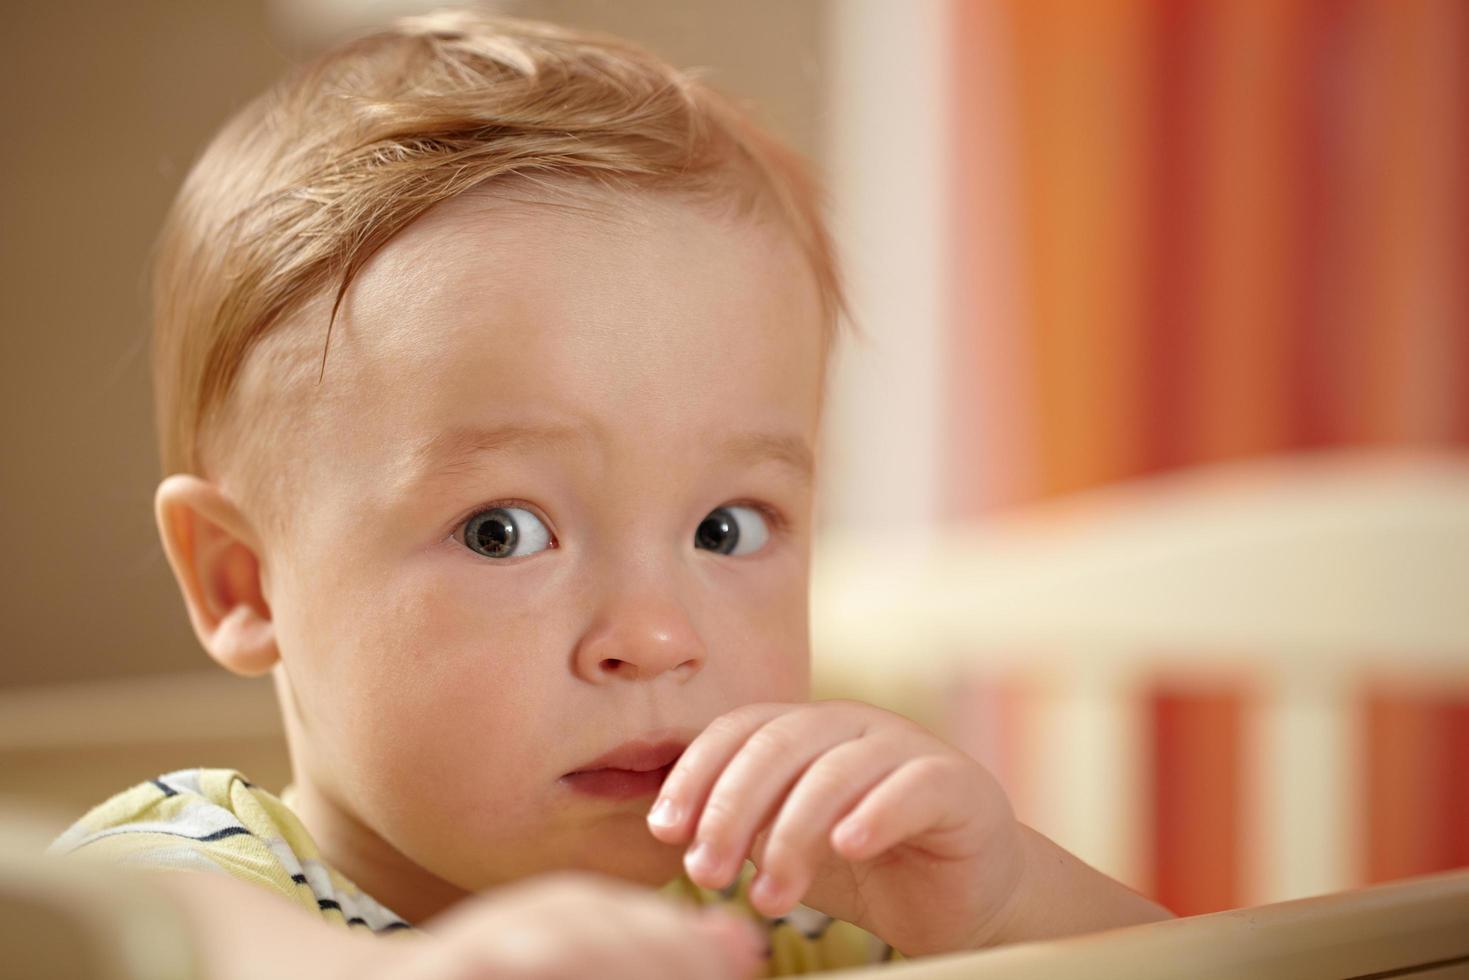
(306, 183)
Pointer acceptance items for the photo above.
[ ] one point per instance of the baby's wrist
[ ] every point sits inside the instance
(1058, 894)
(1005, 918)
(997, 901)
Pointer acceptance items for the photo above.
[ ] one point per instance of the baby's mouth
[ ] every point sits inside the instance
(634, 769)
(617, 784)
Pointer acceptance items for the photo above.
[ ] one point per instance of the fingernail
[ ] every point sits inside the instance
(701, 860)
(852, 835)
(663, 814)
(764, 890)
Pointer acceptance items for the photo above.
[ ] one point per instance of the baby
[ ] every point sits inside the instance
(489, 363)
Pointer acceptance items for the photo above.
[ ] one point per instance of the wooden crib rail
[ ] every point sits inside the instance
(1412, 928)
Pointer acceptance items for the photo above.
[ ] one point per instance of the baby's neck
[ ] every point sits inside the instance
(374, 865)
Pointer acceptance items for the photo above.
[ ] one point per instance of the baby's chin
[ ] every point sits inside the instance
(644, 861)
(620, 847)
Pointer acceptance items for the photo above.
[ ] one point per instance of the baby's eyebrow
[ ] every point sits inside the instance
(791, 450)
(454, 449)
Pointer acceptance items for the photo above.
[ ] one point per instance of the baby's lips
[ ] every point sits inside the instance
(743, 943)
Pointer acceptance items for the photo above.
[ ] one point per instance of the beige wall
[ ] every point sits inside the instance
(104, 107)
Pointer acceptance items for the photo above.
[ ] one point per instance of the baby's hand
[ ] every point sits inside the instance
(854, 810)
(567, 926)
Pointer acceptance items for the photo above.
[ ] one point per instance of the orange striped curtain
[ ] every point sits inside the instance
(1243, 229)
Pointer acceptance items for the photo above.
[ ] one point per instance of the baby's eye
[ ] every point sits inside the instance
(506, 532)
(732, 530)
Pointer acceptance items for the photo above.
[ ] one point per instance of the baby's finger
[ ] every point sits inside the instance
(915, 799)
(753, 785)
(674, 814)
(797, 841)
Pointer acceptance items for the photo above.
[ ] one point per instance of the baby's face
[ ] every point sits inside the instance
(556, 500)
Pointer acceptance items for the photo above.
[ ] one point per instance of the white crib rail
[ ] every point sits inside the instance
(1305, 575)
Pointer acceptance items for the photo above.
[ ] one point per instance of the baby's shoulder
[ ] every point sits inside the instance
(217, 820)
(202, 806)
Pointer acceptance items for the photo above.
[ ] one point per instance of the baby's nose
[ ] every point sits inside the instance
(640, 639)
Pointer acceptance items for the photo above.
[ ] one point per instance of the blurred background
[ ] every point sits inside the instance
(1147, 481)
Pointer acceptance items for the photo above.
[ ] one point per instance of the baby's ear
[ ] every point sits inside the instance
(215, 557)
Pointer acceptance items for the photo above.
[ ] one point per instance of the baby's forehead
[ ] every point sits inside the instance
(527, 222)
(489, 258)
(605, 307)
(573, 210)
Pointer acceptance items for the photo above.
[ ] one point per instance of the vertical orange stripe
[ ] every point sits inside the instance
(1327, 306)
(1313, 378)
(1241, 401)
(1171, 266)
(1456, 778)
(1413, 229)
(1405, 789)
(1197, 785)
(1455, 347)
(1080, 79)
(1356, 129)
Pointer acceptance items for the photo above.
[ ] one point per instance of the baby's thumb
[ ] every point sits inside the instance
(737, 941)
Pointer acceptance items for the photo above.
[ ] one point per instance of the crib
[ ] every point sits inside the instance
(1300, 593)
(1038, 641)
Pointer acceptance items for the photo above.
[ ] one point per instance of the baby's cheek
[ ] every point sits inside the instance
(794, 680)
(477, 717)
(455, 696)
(465, 747)
(775, 674)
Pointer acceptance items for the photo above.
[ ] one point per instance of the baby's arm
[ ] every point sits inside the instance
(1061, 895)
(243, 932)
(555, 926)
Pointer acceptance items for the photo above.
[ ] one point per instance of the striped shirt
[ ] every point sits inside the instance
(217, 820)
